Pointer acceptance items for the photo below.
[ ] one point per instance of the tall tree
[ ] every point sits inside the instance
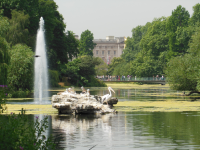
(179, 18)
(86, 44)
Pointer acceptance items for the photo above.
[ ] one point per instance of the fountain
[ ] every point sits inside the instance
(40, 67)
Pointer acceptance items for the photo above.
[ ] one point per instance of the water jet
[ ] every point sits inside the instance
(40, 67)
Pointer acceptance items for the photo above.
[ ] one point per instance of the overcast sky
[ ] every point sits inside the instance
(115, 17)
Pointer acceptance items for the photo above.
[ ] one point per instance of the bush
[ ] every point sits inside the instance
(94, 82)
(19, 94)
(53, 78)
(17, 132)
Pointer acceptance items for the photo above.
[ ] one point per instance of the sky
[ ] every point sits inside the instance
(115, 17)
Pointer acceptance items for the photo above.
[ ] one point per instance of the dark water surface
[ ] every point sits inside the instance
(128, 130)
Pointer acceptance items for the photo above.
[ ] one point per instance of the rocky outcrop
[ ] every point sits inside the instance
(82, 104)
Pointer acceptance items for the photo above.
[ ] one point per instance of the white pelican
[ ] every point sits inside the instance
(86, 93)
(107, 96)
(69, 92)
(83, 90)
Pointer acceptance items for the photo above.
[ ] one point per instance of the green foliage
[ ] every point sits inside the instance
(114, 62)
(18, 32)
(72, 45)
(94, 82)
(30, 8)
(122, 69)
(196, 15)
(20, 70)
(102, 68)
(2, 98)
(53, 78)
(180, 73)
(81, 70)
(4, 51)
(19, 94)
(179, 18)
(86, 44)
(18, 132)
(183, 71)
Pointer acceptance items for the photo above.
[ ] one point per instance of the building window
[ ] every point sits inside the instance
(114, 52)
(102, 52)
(97, 52)
(108, 52)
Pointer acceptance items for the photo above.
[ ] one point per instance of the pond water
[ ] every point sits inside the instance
(128, 129)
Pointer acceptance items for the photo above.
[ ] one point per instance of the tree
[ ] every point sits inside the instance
(102, 68)
(81, 70)
(183, 71)
(114, 62)
(29, 7)
(72, 45)
(18, 33)
(86, 44)
(20, 71)
(4, 50)
(196, 15)
(179, 18)
(181, 74)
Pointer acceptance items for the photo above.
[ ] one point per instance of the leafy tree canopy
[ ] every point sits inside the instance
(114, 62)
(179, 18)
(18, 32)
(196, 15)
(86, 44)
(20, 70)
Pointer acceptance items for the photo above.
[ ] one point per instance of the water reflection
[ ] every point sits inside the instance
(135, 130)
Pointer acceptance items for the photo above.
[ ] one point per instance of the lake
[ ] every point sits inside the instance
(149, 117)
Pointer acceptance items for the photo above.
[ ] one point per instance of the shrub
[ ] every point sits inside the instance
(94, 82)
(53, 78)
(17, 132)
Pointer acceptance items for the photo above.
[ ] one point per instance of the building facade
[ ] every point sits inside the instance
(109, 48)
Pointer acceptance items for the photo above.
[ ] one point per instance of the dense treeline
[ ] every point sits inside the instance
(166, 46)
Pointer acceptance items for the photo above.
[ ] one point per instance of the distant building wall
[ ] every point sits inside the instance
(108, 48)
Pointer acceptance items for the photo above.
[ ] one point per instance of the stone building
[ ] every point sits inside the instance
(109, 48)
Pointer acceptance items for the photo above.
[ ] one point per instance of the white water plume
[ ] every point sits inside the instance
(40, 67)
